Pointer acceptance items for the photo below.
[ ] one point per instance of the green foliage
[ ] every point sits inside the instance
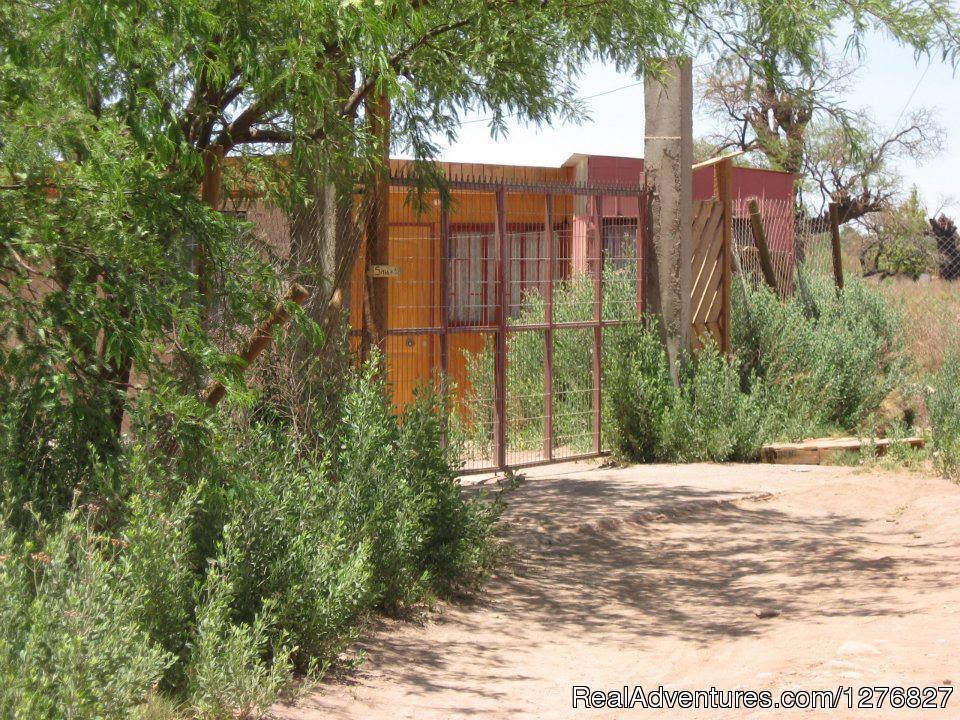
(899, 241)
(212, 579)
(713, 415)
(835, 357)
(160, 561)
(944, 405)
(227, 675)
(97, 282)
(229, 545)
(638, 391)
(710, 417)
(71, 645)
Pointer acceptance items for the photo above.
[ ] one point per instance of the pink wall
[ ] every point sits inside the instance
(747, 182)
(774, 190)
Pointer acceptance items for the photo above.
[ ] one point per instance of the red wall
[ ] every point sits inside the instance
(774, 189)
(747, 182)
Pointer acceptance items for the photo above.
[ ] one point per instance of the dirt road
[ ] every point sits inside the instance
(654, 575)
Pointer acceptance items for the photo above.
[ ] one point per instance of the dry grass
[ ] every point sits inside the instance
(931, 319)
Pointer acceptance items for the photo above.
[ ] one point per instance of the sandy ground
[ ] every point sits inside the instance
(653, 575)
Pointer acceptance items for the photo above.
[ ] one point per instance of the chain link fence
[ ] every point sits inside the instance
(918, 272)
(777, 222)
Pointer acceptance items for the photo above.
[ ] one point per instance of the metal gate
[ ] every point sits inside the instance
(504, 298)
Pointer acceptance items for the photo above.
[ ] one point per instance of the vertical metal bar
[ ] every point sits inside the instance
(548, 333)
(642, 219)
(500, 352)
(446, 257)
(597, 319)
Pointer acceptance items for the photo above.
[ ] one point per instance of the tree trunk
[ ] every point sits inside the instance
(377, 225)
(324, 245)
(948, 245)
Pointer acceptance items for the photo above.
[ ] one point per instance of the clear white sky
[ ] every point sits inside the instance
(883, 87)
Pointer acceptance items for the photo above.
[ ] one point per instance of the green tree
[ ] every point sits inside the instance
(116, 116)
(898, 240)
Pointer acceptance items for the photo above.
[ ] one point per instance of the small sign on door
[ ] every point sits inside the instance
(384, 271)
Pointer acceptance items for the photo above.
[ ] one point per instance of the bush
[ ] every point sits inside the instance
(710, 417)
(898, 241)
(638, 391)
(157, 557)
(211, 579)
(71, 644)
(713, 415)
(835, 357)
(944, 405)
(228, 675)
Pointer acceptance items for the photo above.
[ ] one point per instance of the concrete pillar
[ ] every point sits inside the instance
(668, 157)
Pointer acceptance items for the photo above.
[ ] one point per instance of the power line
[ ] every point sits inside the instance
(580, 99)
(916, 87)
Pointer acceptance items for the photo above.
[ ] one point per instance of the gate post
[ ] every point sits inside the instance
(668, 160)
(500, 344)
(548, 333)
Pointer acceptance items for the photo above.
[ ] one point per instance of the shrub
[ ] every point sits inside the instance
(638, 391)
(899, 241)
(944, 405)
(834, 356)
(228, 675)
(372, 519)
(71, 645)
(212, 578)
(710, 417)
(713, 415)
(159, 561)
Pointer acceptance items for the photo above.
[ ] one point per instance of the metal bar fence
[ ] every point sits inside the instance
(502, 300)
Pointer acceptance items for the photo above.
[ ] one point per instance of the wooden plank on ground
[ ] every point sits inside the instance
(821, 450)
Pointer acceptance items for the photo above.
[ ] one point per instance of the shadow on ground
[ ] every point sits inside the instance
(620, 562)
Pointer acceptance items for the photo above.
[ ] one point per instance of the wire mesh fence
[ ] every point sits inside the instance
(917, 273)
(777, 222)
(501, 298)
(917, 270)
(497, 300)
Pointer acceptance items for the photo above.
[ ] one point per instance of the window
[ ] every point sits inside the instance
(620, 242)
(472, 276)
(473, 272)
(528, 266)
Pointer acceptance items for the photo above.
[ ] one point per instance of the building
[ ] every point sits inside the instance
(448, 294)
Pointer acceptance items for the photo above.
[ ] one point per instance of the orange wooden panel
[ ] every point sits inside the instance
(411, 303)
